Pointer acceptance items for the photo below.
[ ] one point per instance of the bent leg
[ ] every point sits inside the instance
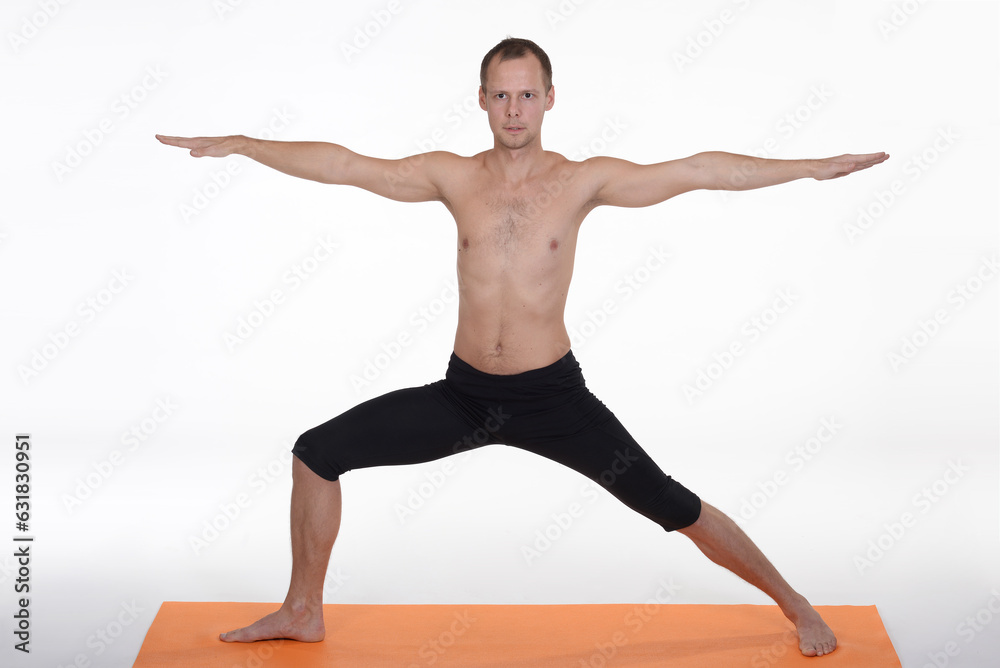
(315, 522)
(406, 426)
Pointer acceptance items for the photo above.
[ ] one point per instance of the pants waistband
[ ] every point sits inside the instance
(566, 363)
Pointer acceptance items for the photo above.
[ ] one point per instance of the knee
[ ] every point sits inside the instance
(305, 444)
(679, 507)
(314, 453)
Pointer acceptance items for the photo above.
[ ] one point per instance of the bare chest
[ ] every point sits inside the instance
(526, 224)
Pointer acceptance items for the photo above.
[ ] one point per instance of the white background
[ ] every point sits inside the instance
(89, 192)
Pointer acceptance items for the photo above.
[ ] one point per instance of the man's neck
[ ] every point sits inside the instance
(516, 164)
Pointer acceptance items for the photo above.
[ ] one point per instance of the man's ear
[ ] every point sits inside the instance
(482, 98)
(550, 98)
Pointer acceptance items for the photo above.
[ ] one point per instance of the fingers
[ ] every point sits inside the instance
(200, 146)
(870, 160)
(174, 141)
(867, 160)
(190, 142)
(855, 163)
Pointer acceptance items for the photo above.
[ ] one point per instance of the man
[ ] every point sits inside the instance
(512, 378)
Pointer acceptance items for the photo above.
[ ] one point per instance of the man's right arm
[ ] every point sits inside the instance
(413, 179)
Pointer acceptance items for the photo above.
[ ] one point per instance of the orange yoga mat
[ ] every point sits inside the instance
(473, 636)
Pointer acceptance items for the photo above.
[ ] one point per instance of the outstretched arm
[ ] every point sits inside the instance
(624, 183)
(413, 179)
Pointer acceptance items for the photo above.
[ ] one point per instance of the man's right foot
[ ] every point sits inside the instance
(303, 625)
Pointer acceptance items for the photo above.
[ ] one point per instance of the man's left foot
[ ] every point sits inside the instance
(815, 637)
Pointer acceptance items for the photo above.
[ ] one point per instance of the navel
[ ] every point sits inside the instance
(465, 244)
(554, 244)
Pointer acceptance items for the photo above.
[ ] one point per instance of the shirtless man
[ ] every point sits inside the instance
(512, 378)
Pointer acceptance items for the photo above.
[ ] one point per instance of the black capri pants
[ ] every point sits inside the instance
(548, 411)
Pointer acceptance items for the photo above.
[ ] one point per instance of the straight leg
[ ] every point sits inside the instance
(722, 541)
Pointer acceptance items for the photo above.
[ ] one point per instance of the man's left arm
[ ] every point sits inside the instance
(623, 183)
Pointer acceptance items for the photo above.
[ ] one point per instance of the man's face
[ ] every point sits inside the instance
(515, 100)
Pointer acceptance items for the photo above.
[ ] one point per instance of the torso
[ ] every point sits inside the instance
(516, 244)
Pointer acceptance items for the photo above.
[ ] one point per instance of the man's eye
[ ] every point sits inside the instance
(527, 95)
(500, 95)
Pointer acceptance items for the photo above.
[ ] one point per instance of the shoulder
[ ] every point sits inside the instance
(446, 162)
(444, 167)
(442, 158)
(597, 167)
(594, 172)
(560, 164)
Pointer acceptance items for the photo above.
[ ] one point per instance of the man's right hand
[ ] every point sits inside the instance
(413, 179)
(212, 147)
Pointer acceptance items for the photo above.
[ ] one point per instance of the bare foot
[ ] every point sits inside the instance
(815, 637)
(304, 625)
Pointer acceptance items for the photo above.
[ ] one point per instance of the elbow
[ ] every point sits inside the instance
(705, 171)
(336, 166)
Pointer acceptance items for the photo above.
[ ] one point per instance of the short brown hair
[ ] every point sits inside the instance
(515, 47)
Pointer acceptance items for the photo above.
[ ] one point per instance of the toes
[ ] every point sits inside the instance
(818, 649)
